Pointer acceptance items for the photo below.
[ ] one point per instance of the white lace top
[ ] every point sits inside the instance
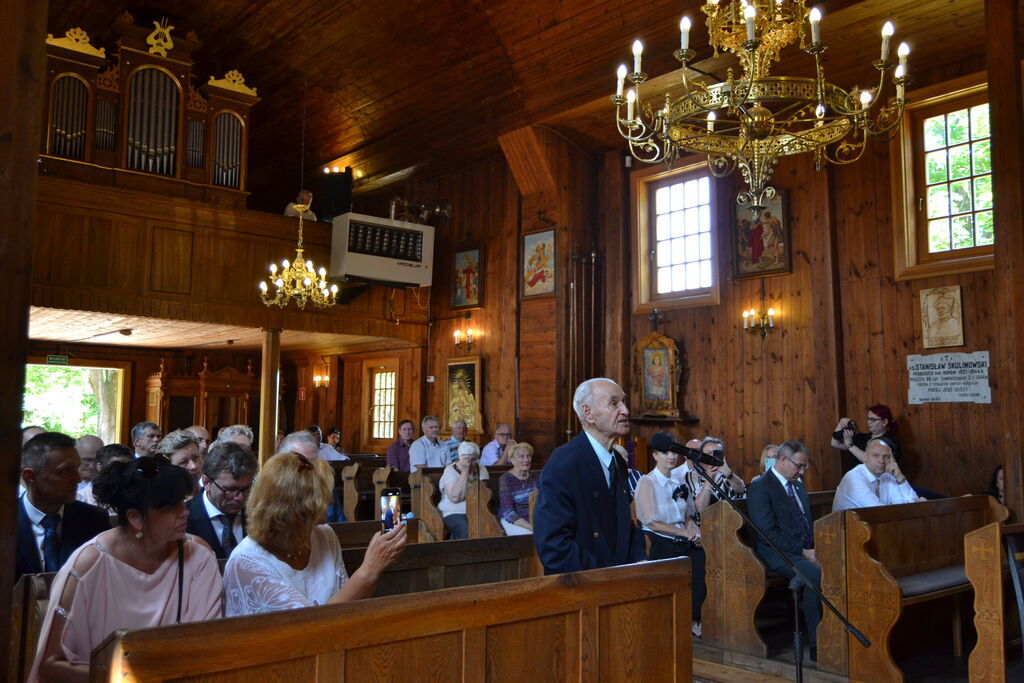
(255, 581)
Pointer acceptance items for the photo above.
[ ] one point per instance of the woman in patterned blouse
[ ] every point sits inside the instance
(514, 489)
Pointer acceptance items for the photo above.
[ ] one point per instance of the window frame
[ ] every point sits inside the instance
(913, 261)
(122, 424)
(643, 184)
(370, 369)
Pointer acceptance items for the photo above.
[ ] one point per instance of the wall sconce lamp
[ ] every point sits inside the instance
(464, 342)
(321, 381)
(759, 321)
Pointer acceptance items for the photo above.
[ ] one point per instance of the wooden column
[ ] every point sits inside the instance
(270, 388)
(1002, 19)
(22, 63)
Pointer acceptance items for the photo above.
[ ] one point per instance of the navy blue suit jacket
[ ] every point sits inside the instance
(578, 523)
(770, 508)
(199, 524)
(79, 523)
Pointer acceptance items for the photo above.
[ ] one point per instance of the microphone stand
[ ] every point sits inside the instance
(797, 653)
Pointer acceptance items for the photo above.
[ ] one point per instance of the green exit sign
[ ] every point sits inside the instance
(56, 360)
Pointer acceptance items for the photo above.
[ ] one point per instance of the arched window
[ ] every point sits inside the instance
(153, 122)
(69, 111)
(227, 160)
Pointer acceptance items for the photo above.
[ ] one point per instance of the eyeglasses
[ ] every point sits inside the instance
(232, 491)
(800, 467)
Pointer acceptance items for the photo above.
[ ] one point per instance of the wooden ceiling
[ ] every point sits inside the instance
(430, 84)
(51, 324)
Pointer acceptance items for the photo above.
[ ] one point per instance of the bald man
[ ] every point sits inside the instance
(200, 433)
(87, 447)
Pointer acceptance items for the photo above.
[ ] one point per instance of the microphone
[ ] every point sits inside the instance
(663, 442)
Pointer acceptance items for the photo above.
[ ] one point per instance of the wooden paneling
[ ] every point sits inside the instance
(171, 261)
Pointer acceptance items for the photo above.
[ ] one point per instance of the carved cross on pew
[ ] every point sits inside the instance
(655, 317)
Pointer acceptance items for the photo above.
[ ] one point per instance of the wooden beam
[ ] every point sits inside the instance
(527, 157)
(22, 68)
(270, 387)
(1002, 22)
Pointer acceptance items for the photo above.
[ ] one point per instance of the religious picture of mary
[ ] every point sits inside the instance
(941, 317)
(463, 389)
(656, 377)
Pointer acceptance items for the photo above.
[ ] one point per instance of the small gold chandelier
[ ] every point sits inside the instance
(751, 121)
(298, 280)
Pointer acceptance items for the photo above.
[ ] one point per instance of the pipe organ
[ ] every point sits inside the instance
(137, 119)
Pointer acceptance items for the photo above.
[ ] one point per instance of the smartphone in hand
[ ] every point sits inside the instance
(390, 508)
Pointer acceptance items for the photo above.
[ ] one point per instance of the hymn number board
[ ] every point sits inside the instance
(379, 240)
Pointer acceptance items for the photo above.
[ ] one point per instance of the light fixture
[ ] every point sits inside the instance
(759, 321)
(751, 121)
(299, 280)
(321, 381)
(464, 344)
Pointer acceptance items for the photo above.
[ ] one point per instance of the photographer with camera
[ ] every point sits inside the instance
(731, 483)
(847, 438)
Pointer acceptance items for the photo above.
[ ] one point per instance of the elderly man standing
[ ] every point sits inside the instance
(218, 515)
(582, 517)
(778, 503)
(51, 523)
(428, 450)
(145, 437)
(494, 452)
(457, 437)
(876, 481)
(87, 447)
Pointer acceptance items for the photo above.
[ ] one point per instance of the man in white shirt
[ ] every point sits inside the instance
(457, 437)
(324, 451)
(218, 516)
(428, 450)
(494, 451)
(878, 481)
(87, 447)
(145, 437)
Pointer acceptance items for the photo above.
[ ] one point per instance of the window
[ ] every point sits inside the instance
(380, 398)
(942, 199)
(83, 397)
(674, 214)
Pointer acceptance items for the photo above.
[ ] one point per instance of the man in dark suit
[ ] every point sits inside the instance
(51, 523)
(218, 515)
(778, 503)
(582, 518)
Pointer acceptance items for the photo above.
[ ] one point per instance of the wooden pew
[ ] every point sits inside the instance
(425, 496)
(617, 624)
(877, 560)
(358, 489)
(31, 600)
(984, 563)
(737, 579)
(358, 534)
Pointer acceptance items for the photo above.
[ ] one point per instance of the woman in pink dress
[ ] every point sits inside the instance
(145, 572)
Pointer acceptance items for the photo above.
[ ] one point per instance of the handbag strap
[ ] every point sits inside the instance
(181, 575)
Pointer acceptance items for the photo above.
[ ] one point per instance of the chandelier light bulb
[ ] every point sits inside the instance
(336, 170)
(819, 111)
(887, 31)
(334, 289)
(630, 100)
(263, 286)
(323, 272)
(684, 33)
(309, 265)
(620, 79)
(815, 18)
(903, 51)
(865, 99)
(638, 49)
(327, 169)
(748, 15)
(285, 264)
(711, 121)
(306, 281)
(278, 282)
(273, 268)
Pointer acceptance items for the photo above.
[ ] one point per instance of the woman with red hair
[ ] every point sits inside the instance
(880, 423)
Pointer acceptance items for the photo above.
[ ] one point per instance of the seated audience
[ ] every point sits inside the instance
(218, 514)
(768, 456)
(665, 508)
(182, 449)
(87, 447)
(291, 558)
(453, 484)
(995, 485)
(730, 482)
(51, 523)
(428, 451)
(324, 451)
(112, 452)
(240, 434)
(514, 489)
(457, 437)
(145, 572)
(494, 452)
(200, 433)
(778, 503)
(847, 438)
(145, 437)
(877, 481)
(334, 439)
(398, 452)
(305, 444)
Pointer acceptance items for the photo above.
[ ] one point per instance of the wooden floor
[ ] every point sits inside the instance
(720, 673)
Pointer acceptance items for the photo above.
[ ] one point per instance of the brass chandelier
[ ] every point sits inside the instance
(299, 280)
(751, 121)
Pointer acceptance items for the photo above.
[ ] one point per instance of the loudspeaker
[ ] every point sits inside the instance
(334, 197)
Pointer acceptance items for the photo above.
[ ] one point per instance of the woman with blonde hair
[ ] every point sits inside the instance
(514, 489)
(290, 558)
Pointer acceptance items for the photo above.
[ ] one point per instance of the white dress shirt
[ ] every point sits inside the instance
(35, 516)
(329, 452)
(604, 455)
(654, 502)
(426, 453)
(785, 487)
(217, 520)
(861, 489)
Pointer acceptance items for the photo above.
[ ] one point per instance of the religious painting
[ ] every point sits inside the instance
(761, 247)
(539, 263)
(463, 393)
(466, 291)
(657, 368)
(942, 322)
